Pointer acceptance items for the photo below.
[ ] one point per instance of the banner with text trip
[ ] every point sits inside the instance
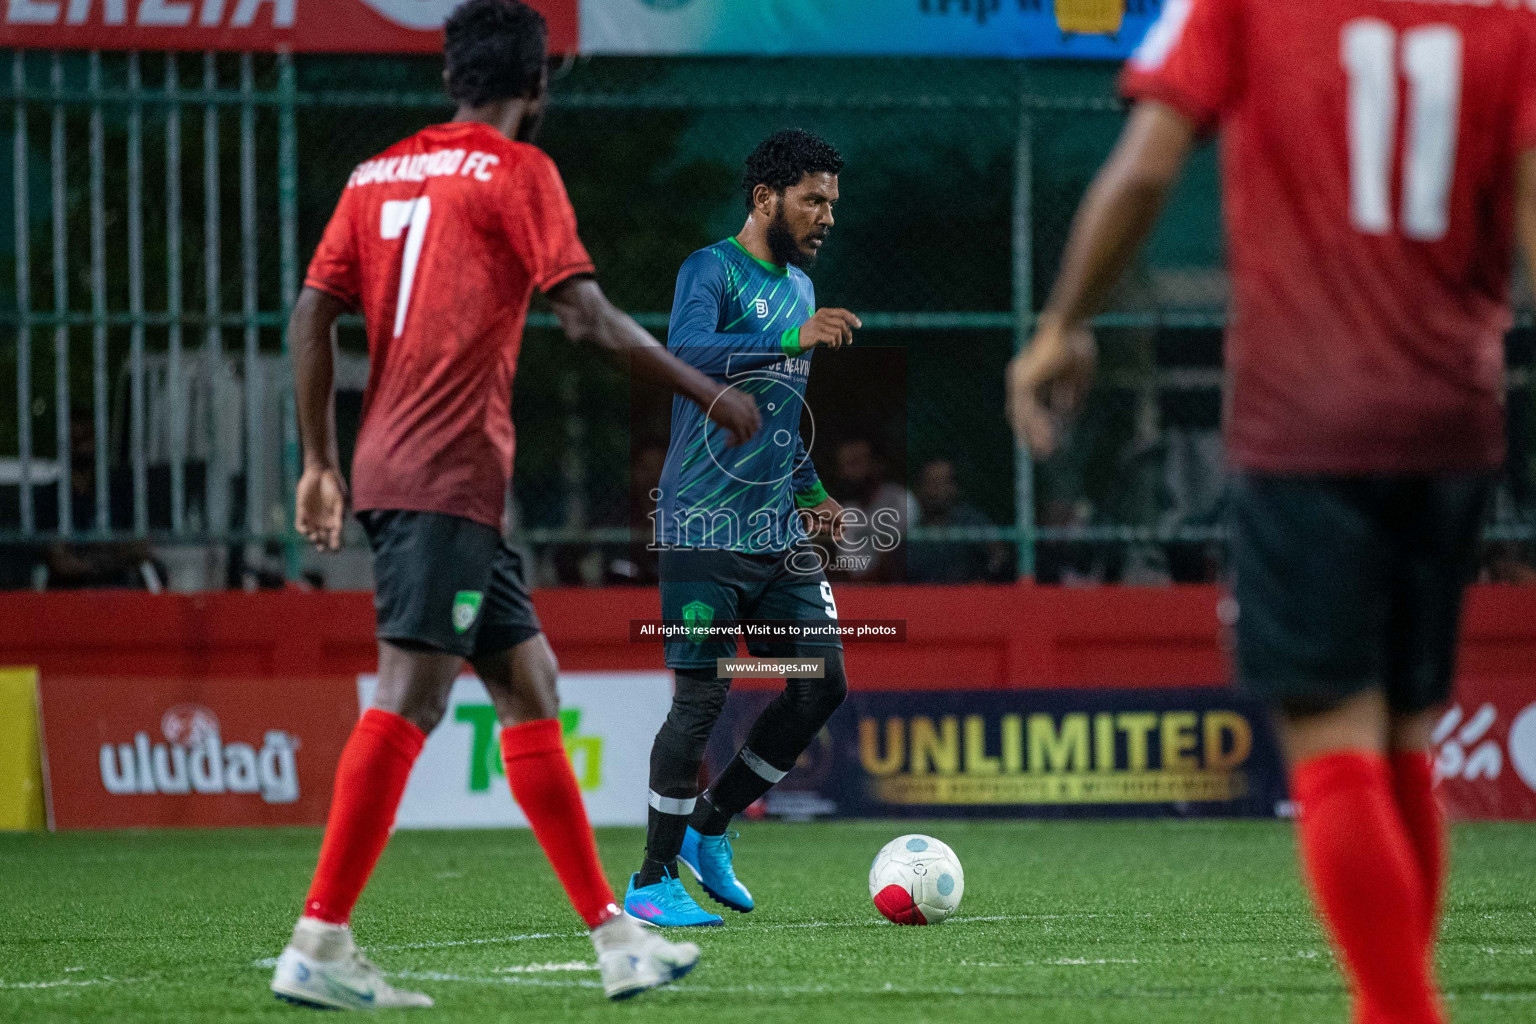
(608, 720)
(1099, 29)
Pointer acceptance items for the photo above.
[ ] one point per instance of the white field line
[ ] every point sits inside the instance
(520, 975)
(270, 962)
(572, 965)
(499, 979)
(492, 941)
(267, 963)
(692, 988)
(69, 982)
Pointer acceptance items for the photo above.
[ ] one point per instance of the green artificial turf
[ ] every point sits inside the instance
(1144, 922)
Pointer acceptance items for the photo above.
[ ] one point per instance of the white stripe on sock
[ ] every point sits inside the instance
(671, 804)
(764, 770)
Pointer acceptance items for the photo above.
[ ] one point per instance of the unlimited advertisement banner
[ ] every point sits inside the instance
(1040, 753)
(326, 26)
(1485, 751)
(609, 720)
(151, 753)
(971, 28)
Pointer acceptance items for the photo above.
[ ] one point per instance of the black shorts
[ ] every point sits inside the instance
(447, 583)
(1347, 584)
(712, 586)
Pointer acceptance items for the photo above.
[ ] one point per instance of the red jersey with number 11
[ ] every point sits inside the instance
(440, 241)
(1369, 152)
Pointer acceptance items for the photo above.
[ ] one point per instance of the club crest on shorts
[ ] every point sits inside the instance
(466, 608)
(697, 617)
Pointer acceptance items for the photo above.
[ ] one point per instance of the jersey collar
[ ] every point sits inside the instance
(772, 268)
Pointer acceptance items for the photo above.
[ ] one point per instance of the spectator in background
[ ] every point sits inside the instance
(624, 562)
(885, 509)
(636, 562)
(79, 563)
(945, 561)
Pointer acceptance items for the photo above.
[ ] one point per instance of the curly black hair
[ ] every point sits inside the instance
(785, 157)
(495, 50)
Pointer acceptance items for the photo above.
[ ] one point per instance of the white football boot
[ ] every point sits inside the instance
(633, 957)
(322, 967)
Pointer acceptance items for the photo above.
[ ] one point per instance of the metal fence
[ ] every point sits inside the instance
(163, 204)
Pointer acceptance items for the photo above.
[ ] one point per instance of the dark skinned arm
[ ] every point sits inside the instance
(321, 499)
(587, 317)
(1525, 211)
(1051, 377)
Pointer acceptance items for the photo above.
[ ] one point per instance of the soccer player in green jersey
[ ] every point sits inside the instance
(732, 525)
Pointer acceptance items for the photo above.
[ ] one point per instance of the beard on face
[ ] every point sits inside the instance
(783, 244)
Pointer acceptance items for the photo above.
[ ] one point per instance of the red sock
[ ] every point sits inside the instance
(545, 788)
(370, 779)
(1366, 883)
(1413, 787)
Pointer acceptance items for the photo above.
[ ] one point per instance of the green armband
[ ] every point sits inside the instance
(790, 340)
(811, 498)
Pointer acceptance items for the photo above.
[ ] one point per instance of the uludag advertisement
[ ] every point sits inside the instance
(1485, 751)
(975, 28)
(1028, 753)
(124, 752)
(608, 719)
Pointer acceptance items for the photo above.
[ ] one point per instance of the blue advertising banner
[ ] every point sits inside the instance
(1102, 29)
(1027, 753)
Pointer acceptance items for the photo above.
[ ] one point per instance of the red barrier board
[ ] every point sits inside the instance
(1485, 751)
(323, 26)
(191, 752)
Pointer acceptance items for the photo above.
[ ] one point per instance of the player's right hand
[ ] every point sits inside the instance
(736, 412)
(832, 328)
(1047, 383)
(320, 504)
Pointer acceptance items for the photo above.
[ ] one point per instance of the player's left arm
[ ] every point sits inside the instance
(1053, 374)
(587, 316)
(825, 513)
(1525, 211)
(1525, 145)
(321, 498)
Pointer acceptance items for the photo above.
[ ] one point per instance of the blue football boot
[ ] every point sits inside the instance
(666, 903)
(709, 858)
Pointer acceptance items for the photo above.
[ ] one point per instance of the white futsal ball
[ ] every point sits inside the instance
(916, 880)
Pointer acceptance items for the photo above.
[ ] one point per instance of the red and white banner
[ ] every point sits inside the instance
(322, 26)
(153, 753)
(1485, 751)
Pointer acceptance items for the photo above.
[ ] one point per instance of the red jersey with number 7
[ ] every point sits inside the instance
(440, 241)
(1369, 152)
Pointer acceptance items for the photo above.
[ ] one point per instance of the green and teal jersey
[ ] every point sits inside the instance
(736, 318)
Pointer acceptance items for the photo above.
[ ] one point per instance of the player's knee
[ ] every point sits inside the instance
(816, 699)
(423, 705)
(696, 705)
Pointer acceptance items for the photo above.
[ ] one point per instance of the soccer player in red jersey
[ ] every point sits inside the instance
(440, 242)
(1379, 160)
